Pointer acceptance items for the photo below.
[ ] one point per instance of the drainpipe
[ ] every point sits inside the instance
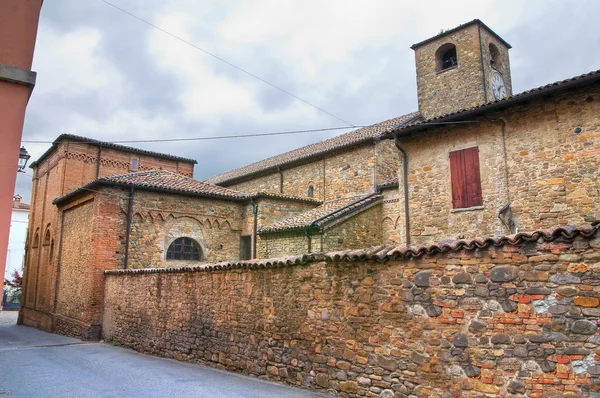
(405, 183)
(255, 227)
(503, 123)
(280, 179)
(98, 160)
(128, 228)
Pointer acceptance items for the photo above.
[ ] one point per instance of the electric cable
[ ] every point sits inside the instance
(226, 62)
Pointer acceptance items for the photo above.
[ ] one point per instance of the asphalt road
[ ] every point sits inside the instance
(38, 364)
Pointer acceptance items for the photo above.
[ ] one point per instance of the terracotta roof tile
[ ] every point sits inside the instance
(385, 253)
(323, 215)
(161, 180)
(319, 148)
(532, 93)
(274, 195)
(105, 144)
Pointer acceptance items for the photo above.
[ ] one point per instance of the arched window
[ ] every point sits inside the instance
(36, 239)
(183, 249)
(311, 191)
(445, 57)
(495, 59)
(47, 237)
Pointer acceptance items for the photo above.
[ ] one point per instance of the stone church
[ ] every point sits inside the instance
(473, 160)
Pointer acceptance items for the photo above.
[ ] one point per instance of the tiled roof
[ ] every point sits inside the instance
(459, 27)
(385, 253)
(21, 206)
(161, 180)
(591, 77)
(105, 144)
(312, 150)
(323, 215)
(389, 183)
(273, 195)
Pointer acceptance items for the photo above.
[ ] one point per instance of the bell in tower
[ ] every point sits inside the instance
(461, 68)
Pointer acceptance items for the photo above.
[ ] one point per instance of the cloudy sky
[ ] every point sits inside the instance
(104, 74)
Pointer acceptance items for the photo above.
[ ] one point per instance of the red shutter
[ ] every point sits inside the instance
(457, 176)
(473, 181)
(465, 178)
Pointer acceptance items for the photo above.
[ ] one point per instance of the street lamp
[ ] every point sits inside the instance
(23, 159)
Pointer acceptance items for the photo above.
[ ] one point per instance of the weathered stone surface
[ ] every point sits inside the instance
(477, 326)
(349, 386)
(586, 301)
(322, 380)
(387, 363)
(516, 387)
(582, 326)
(462, 277)
(503, 273)
(567, 291)
(564, 279)
(472, 371)
(500, 339)
(422, 278)
(460, 340)
(548, 366)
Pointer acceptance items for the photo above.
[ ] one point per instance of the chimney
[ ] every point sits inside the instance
(16, 201)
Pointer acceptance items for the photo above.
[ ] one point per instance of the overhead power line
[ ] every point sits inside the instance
(226, 62)
(216, 137)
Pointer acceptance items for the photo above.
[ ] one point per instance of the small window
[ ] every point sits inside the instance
(47, 237)
(495, 60)
(311, 191)
(446, 57)
(183, 249)
(245, 247)
(464, 175)
(134, 164)
(36, 239)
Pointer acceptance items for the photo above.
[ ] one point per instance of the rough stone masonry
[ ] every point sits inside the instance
(514, 316)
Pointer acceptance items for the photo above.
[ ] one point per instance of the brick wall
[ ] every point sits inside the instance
(509, 318)
(70, 166)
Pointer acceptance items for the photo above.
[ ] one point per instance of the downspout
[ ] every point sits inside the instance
(255, 227)
(324, 196)
(98, 160)
(505, 213)
(128, 228)
(280, 179)
(405, 184)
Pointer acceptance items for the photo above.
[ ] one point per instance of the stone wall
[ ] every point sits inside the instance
(551, 174)
(506, 317)
(215, 225)
(282, 244)
(341, 174)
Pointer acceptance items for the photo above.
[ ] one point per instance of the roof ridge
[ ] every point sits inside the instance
(125, 148)
(383, 253)
(316, 148)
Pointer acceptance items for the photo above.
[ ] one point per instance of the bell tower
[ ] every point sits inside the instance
(461, 68)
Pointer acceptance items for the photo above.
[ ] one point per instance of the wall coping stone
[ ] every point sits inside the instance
(384, 253)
